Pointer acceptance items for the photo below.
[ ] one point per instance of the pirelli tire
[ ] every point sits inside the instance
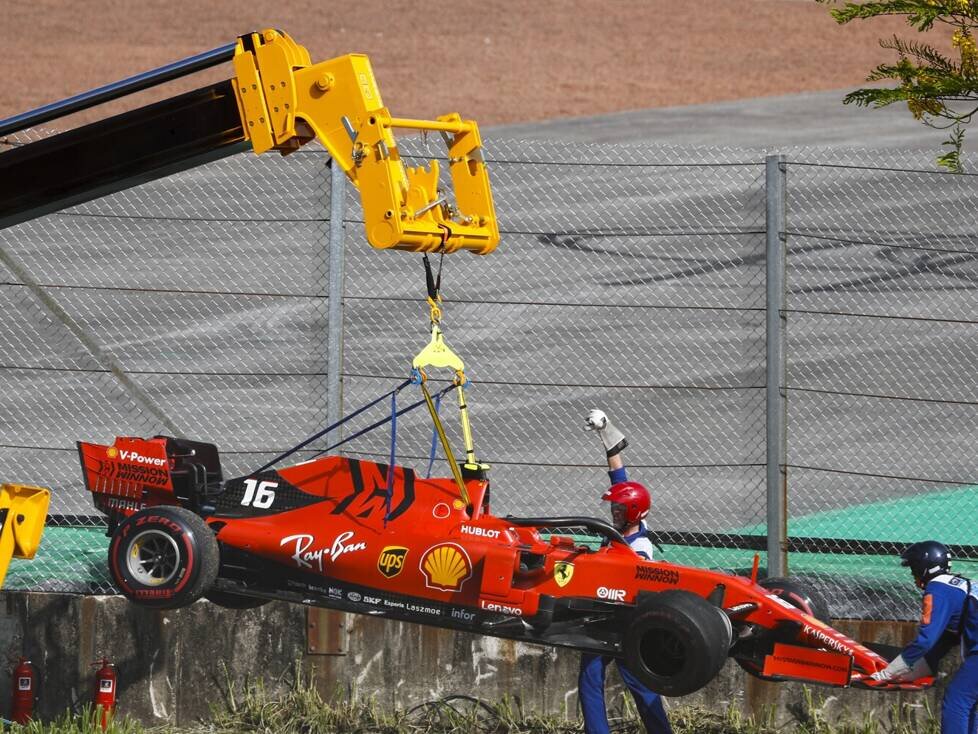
(676, 642)
(799, 595)
(163, 557)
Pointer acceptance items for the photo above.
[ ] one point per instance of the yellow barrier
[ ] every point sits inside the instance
(23, 512)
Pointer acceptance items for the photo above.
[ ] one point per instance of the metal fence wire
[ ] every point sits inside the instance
(630, 278)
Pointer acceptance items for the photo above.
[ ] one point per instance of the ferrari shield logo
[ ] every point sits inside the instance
(563, 571)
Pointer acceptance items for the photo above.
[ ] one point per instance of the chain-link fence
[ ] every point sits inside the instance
(882, 290)
(628, 278)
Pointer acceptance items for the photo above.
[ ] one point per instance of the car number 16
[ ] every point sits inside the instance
(259, 494)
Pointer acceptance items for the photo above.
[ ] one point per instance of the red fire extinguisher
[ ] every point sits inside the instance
(25, 683)
(105, 690)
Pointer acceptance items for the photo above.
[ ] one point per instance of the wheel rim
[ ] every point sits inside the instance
(153, 558)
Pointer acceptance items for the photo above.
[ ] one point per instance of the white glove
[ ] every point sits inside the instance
(614, 440)
(896, 671)
(596, 420)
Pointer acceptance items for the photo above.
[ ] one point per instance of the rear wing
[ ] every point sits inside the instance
(134, 473)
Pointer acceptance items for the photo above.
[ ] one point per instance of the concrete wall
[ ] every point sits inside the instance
(174, 665)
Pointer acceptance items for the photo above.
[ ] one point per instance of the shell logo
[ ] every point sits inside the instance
(112, 452)
(446, 567)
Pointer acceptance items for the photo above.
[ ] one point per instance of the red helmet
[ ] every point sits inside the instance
(633, 496)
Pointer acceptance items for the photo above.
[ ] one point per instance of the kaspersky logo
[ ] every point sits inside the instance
(446, 567)
(391, 560)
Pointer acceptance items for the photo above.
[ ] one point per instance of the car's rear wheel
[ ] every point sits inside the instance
(676, 642)
(163, 557)
(799, 595)
(229, 600)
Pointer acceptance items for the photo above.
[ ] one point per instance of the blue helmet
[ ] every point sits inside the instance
(926, 559)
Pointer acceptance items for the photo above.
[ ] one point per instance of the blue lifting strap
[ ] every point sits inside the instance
(379, 423)
(326, 430)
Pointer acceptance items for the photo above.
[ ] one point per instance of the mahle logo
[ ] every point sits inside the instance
(391, 560)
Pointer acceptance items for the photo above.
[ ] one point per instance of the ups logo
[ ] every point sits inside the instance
(391, 560)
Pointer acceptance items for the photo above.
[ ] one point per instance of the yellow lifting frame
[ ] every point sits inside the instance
(438, 354)
(285, 101)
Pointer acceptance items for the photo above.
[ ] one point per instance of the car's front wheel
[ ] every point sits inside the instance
(750, 654)
(676, 642)
(163, 557)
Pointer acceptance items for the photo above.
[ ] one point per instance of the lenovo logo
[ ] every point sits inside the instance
(491, 606)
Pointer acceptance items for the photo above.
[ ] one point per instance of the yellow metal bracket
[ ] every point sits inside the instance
(438, 354)
(285, 101)
(23, 512)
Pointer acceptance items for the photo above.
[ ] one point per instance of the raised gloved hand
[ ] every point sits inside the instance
(614, 440)
(897, 670)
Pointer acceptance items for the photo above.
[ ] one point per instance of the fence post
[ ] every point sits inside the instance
(334, 317)
(777, 489)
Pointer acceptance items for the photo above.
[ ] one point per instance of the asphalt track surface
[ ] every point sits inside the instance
(647, 305)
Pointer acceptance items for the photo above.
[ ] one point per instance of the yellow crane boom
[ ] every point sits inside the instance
(277, 100)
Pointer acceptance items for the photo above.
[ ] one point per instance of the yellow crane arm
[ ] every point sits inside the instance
(23, 512)
(277, 100)
(285, 101)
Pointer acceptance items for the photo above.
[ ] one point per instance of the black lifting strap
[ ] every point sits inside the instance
(326, 430)
(433, 282)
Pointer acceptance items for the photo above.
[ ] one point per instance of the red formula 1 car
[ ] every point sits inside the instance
(342, 533)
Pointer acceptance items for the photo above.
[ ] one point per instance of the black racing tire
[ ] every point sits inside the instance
(796, 593)
(163, 557)
(229, 600)
(676, 642)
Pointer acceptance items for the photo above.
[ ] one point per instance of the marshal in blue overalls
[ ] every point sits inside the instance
(630, 502)
(949, 616)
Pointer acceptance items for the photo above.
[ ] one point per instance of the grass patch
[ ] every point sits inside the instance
(301, 709)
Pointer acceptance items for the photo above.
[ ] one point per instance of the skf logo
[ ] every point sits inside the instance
(446, 567)
(611, 594)
(112, 452)
(563, 571)
(391, 560)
